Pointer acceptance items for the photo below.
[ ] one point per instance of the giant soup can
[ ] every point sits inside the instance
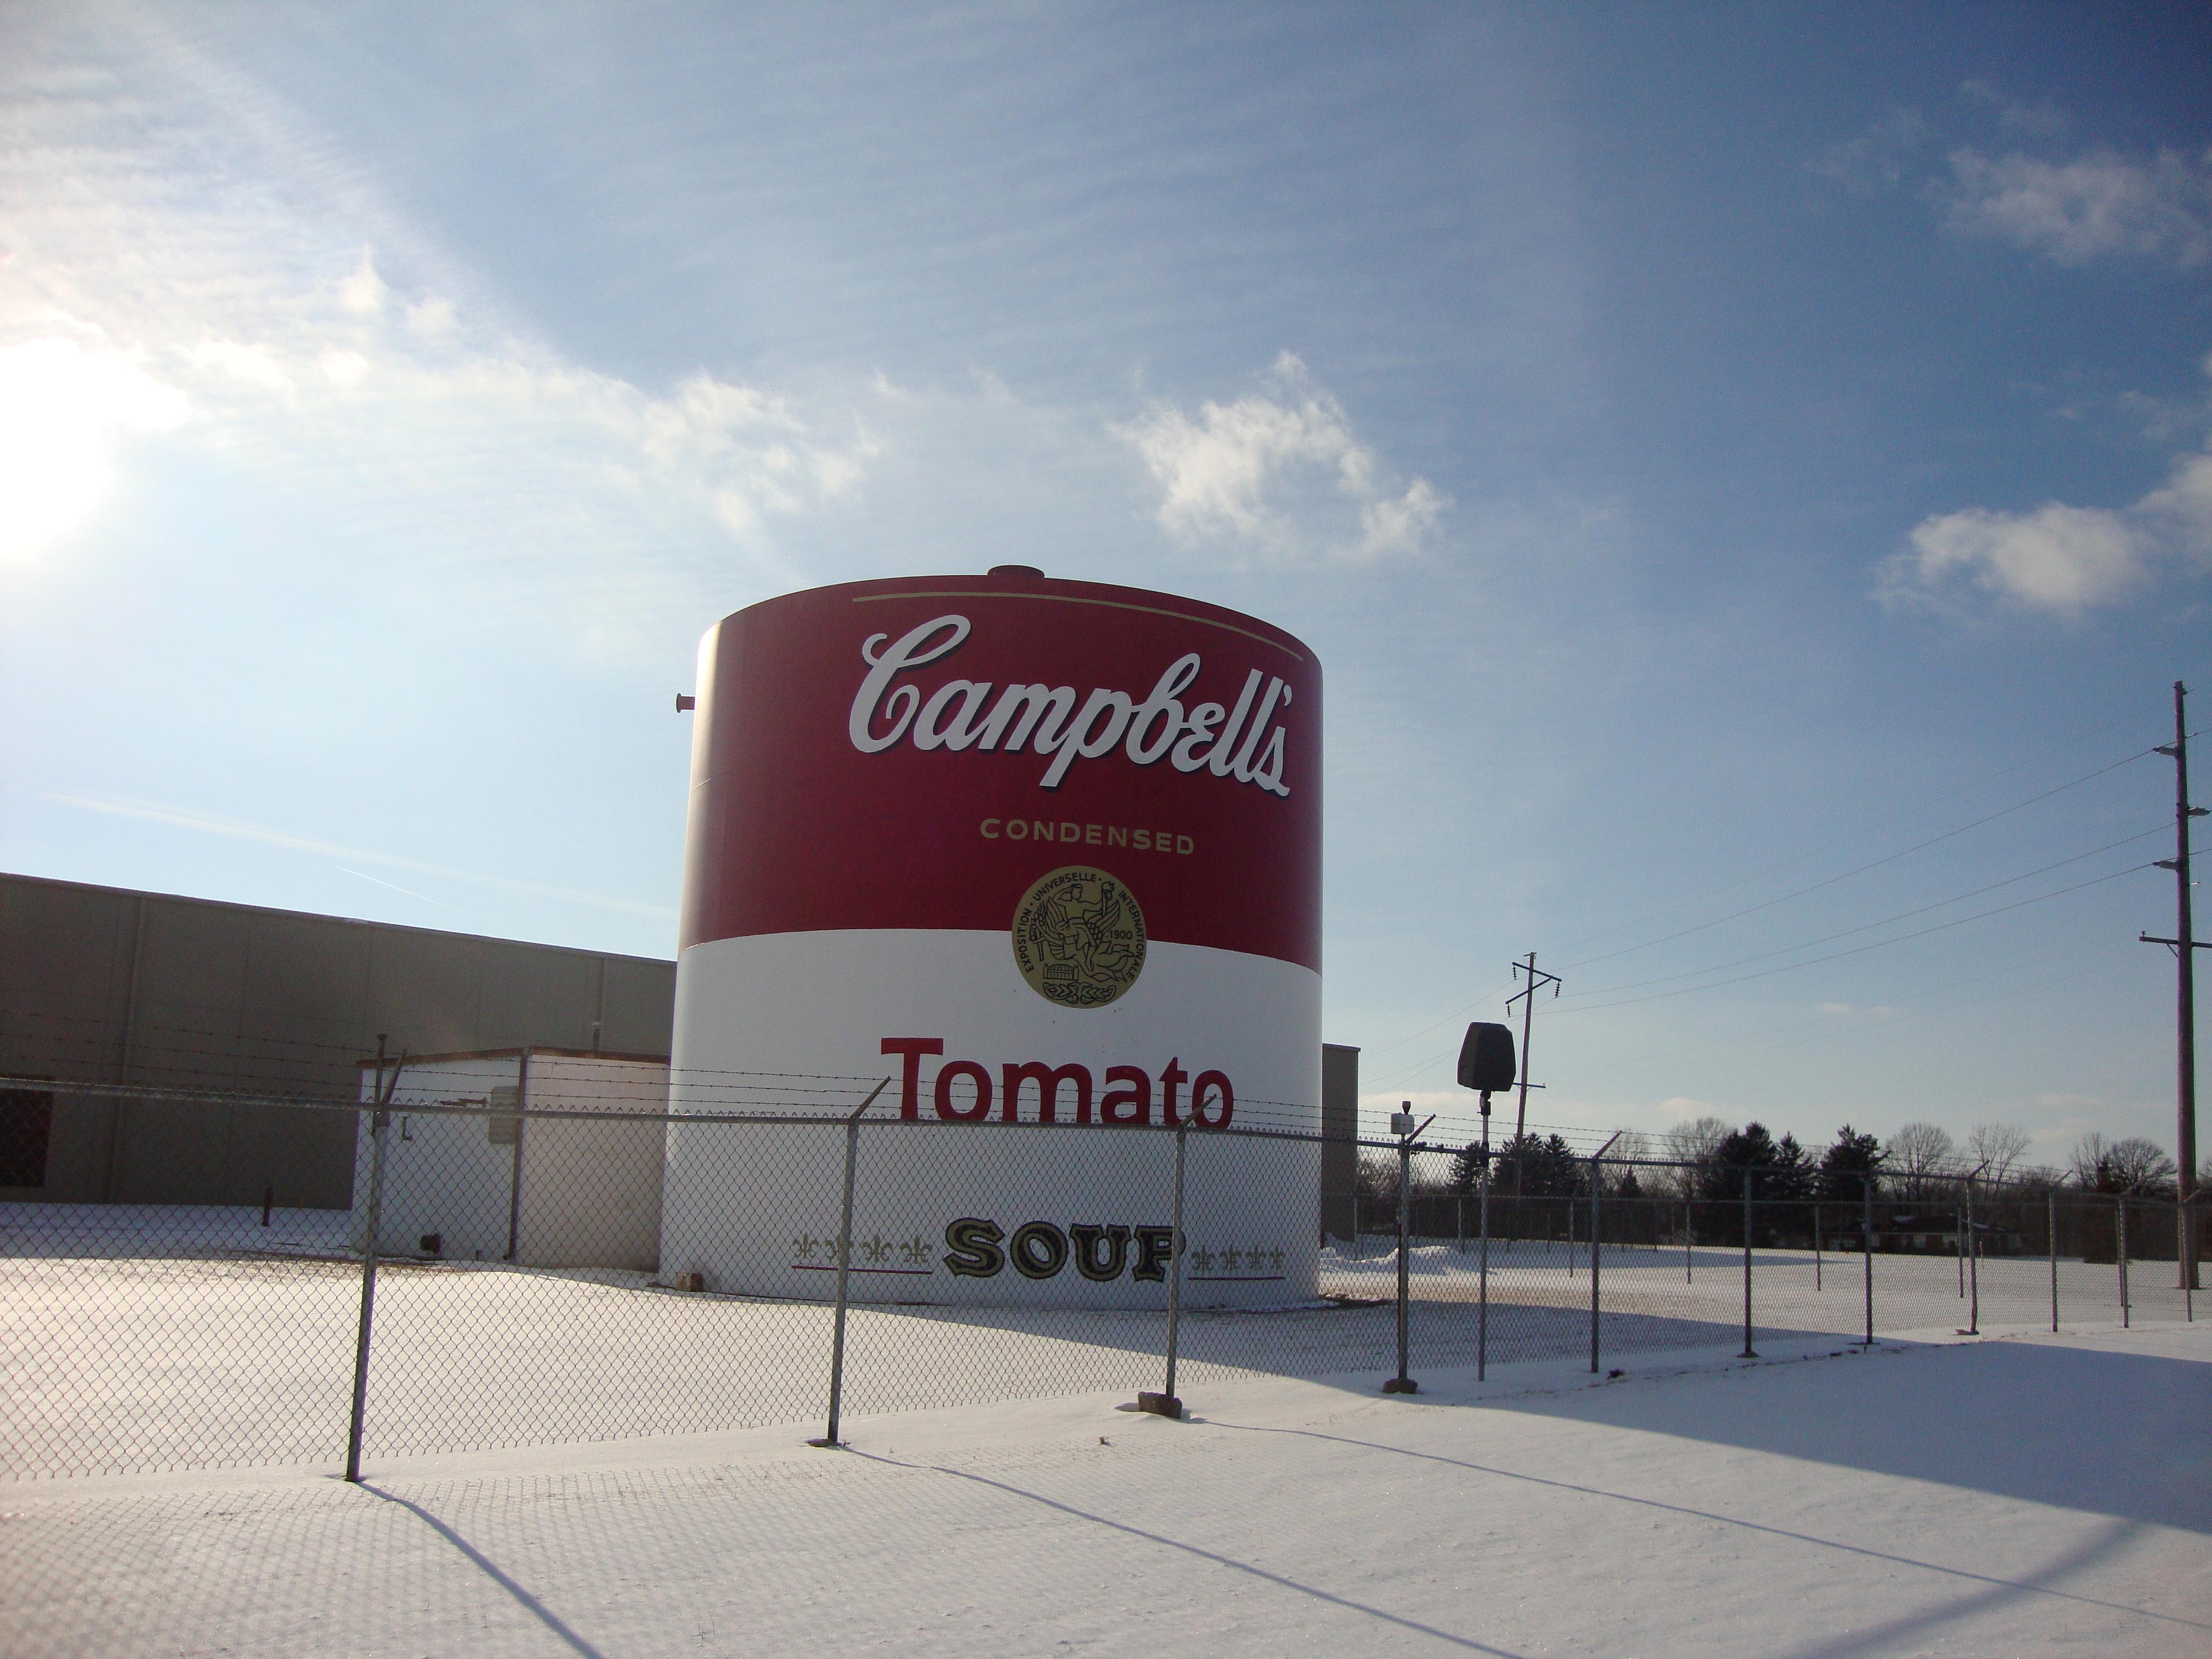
(1044, 856)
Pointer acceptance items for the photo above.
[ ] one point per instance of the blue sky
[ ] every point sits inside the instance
(1711, 454)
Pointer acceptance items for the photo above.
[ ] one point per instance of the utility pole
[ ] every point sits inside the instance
(1537, 980)
(2185, 947)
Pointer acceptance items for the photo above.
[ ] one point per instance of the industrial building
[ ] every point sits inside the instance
(102, 986)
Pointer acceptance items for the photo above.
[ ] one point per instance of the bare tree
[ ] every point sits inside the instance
(1377, 1183)
(2131, 1164)
(1695, 1143)
(1630, 1148)
(1917, 1154)
(1996, 1147)
(2090, 1164)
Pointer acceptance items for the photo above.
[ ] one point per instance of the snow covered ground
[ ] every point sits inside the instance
(1996, 1496)
(132, 1340)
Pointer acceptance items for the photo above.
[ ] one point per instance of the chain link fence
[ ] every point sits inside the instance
(552, 1256)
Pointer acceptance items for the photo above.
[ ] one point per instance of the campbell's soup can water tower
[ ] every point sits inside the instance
(1045, 854)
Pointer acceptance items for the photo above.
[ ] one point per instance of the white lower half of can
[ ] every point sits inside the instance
(992, 1212)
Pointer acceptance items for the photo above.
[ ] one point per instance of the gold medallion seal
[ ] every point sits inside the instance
(1079, 937)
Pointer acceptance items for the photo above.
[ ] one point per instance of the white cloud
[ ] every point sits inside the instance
(2062, 560)
(364, 292)
(2056, 558)
(1214, 471)
(1399, 525)
(2098, 205)
(1279, 470)
(342, 369)
(342, 399)
(255, 366)
(2184, 507)
(433, 315)
(297, 325)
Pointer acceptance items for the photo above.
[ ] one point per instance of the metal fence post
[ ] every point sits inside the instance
(1402, 1383)
(1596, 1184)
(2120, 1240)
(1748, 1353)
(379, 1115)
(1866, 1243)
(1959, 1247)
(1973, 1267)
(1482, 1304)
(1816, 1246)
(2050, 1239)
(1165, 1403)
(2185, 1248)
(514, 1167)
(1689, 1241)
(845, 1265)
(1174, 1266)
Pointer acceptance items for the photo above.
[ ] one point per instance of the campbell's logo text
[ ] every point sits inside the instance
(1243, 742)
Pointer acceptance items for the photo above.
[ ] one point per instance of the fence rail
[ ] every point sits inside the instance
(511, 1275)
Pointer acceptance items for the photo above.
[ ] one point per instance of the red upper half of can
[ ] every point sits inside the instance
(916, 753)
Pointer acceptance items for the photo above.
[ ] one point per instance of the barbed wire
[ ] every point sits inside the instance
(1951, 1169)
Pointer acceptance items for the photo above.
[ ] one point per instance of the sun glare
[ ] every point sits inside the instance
(64, 412)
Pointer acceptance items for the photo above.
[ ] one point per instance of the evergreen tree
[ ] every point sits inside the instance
(1779, 1180)
(1544, 1168)
(1849, 1167)
(1467, 1168)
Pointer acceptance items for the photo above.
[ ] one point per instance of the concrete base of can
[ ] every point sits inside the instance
(1160, 1404)
(1401, 1385)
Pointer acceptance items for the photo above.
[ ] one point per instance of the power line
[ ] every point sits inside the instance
(1835, 956)
(1475, 1002)
(1902, 915)
(1831, 881)
(1800, 1032)
(1891, 858)
(1858, 950)
(1807, 944)
(1852, 835)
(1398, 1077)
(1450, 1018)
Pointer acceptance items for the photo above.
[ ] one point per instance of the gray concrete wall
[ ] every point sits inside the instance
(1339, 1121)
(104, 985)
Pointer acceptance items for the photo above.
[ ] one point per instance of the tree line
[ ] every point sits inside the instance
(1708, 1162)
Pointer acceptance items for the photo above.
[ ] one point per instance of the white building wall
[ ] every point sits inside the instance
(442, 1174)
(588, 1193)
(591, 1188)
